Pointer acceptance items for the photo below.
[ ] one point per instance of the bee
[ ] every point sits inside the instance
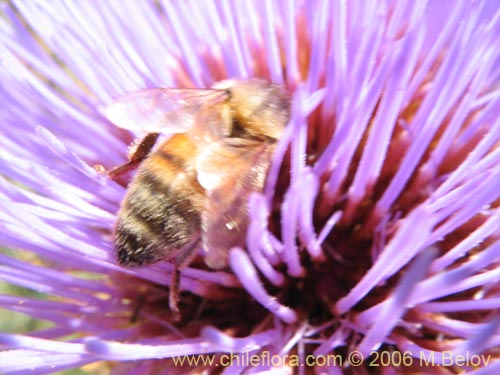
(192, 188)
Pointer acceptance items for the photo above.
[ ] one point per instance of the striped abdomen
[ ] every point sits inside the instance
(161, 211)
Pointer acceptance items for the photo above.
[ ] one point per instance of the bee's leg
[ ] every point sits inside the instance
(181, 261)
(173, 295)
(138, 152)
(137, 309)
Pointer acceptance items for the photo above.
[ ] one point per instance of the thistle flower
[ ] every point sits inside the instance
(375, 241)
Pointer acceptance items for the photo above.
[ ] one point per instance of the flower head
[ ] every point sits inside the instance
(377, 229)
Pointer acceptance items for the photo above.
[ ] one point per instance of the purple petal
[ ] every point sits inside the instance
(397, 304)
(392, 259)
(244, 269)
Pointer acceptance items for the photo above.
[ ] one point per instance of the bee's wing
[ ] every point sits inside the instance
(162, 110)
(229, 174)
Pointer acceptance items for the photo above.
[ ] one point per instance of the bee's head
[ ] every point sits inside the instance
(258, 107)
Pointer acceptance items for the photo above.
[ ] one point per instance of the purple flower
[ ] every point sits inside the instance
(376, 238)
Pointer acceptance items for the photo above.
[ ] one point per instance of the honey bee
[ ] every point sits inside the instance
(193, 187)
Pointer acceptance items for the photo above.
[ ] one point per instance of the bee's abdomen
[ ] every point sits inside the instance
(161, 212)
